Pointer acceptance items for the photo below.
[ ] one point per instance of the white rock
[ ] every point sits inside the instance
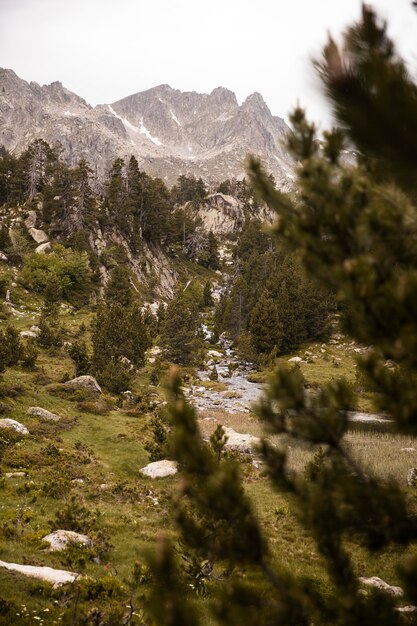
(155, 351)
(215, 354)
(3, 257)
(15, 475)
(159, 469)
(38, 235)
(412, 477)
(357, 416)
(295, 359)
(43, 248)
(28, 334)
(55, 576)
(378, 583)
(17, 426)
(35, 329)
(60, 539)
(239, 442)
(78, 481)
(43, 414)
(84, 382)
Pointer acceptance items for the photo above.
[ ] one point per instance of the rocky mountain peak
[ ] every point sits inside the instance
(255, 101)
(221, 94)
(170, 132)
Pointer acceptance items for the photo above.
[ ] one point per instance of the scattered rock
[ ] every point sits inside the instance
(35, 329)
(43, 248)
(412, 477)
(155, 351)
(17, 426)
(60, 539)
(15, 475)
(15, 312)
(84, 382)
(356, 416)
(295, 359)
(378, 583)
(159, 469)
(407, 450)
(28, 334)
(215, 354)
(79, 481)
(3, 257)
(239, 442)
(43, 414)
(37, 235)
(55, 576)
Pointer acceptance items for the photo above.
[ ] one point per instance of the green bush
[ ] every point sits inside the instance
(63, 273)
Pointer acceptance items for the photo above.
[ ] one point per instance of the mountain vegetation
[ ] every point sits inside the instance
(139, 484)
(353, 227)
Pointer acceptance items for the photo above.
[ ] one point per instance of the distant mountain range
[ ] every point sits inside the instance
(170, 132)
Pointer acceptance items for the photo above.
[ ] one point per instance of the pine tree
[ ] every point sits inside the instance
(355, 228)
(120, 336)
(79, 354)
(265, 325)
(180, 327)
(119, 287)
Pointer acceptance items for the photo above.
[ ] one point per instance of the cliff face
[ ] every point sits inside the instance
(170, 132)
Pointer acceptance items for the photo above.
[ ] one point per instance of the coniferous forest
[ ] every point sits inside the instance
(207, 390)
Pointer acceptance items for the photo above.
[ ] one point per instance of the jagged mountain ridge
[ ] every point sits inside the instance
(169, 131)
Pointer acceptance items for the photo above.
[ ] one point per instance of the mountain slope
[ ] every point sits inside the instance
(169, 131)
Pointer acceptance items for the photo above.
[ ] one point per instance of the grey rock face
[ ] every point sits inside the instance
(169, 131)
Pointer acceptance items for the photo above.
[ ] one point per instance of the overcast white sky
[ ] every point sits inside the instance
(105, 50)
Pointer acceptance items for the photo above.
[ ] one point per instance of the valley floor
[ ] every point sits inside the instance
(87, 466)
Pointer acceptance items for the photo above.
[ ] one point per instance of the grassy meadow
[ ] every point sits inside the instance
(88, 463)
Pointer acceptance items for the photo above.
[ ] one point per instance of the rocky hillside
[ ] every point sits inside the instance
(169, 132)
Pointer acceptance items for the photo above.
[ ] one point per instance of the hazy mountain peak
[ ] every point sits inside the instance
(255, 100)
(169, 131)
(224, 95)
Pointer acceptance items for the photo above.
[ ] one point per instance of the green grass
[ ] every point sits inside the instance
(134, 509)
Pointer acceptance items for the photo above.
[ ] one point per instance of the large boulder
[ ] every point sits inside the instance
(38, 235)
(160, 469)
(43, 248)
(13, 425)
(60, 539)
(378, 583)
(238, 442)
(88, 383)
(37, 411)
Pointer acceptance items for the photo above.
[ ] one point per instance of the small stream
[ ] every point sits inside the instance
(240, 394)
